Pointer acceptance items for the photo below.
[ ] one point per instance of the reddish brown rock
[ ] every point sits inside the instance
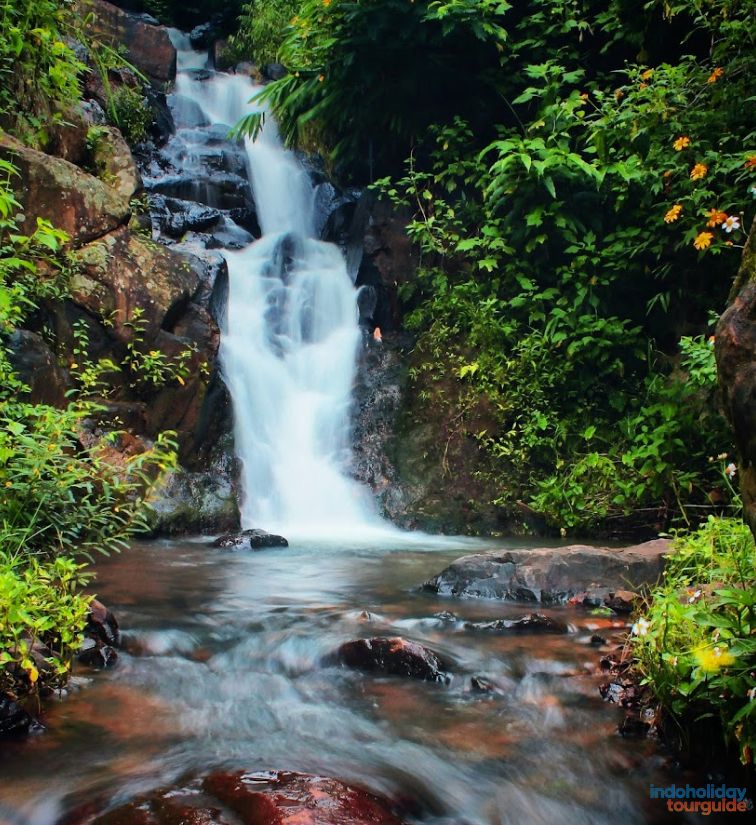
(622, 601)
(260, 798)
(56, 190)
(393, 656)
(735, 348)
(148, 47)
(123, 272)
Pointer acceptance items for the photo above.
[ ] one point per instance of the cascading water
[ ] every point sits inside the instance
(289, 347)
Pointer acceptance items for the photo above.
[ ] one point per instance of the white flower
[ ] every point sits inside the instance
(641, 627)
(731, 470)
(752, 190)
(695, 597)
(732, 223)
(752, 694)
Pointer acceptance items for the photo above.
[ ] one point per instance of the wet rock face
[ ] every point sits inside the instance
(735, 347)
(261, 798)
(393, 656)
(148, 46)
(552, 575)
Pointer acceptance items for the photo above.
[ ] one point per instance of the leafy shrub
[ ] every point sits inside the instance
(42, 616)
(63, 495)
(262, 27)
(696, 639)
(39, 72)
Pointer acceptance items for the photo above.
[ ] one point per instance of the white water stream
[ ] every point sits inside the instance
(289, 349)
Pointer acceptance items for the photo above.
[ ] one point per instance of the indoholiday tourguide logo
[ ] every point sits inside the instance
(703, 799)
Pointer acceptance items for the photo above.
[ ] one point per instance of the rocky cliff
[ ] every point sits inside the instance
(735, 347)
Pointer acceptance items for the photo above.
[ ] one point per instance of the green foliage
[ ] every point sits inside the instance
(562, 258)
(696, 639)
(42, 616)
(65, 493)
(262, 27)
(39, 72)
(369, 76)
(145, 368)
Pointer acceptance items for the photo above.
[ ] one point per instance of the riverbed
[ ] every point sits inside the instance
(223, 667)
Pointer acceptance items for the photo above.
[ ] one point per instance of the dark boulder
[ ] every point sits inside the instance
(35, 364)
(256, 539)
(175, 217)
(202, 36)
(256, 798)
(14, 720)
(552, 575)
(393, 656)
(99, 656)
(274, 71)
(102, 625)
(532, 623)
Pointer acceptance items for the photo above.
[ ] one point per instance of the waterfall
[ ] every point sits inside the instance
(289, 349)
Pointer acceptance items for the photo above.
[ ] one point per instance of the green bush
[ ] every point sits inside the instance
(39, 72)
(263, 25)
(63, 496)
(696, 639)
(42, 616)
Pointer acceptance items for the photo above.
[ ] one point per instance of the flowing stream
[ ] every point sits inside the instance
(224, 659)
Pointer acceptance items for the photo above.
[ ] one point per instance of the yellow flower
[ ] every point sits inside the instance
(673, 213)
(681, 143)
(699, 171)
(648, 74)
(710, 660)
(715, 217)
(715, 75)
(703, 240)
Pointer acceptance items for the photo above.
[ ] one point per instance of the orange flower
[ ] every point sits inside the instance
(648, 74)
(699, 171)
(326, 3)
(715, 75)
(681, 143)
(703, 240)
(750, 162)
(673, 213)
(715, 217)
(618, 95)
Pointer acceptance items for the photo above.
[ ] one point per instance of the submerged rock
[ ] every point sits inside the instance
(393, 656)
(552, 575)
(532, 623)
(256, 798)
(256, 539)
